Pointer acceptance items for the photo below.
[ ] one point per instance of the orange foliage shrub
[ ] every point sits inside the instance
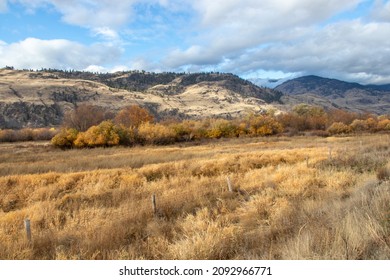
(359, 125)
(383, 125)
(222, 128)
(133, 116)
(149, 133)
(342, 116)
(339, 128)
(264, 125)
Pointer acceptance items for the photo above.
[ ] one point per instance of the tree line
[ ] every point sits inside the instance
(90, 126)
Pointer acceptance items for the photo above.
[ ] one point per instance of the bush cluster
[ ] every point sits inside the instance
(27, 134)
(135, 125)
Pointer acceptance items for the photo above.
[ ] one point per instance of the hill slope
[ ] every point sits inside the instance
(36, 99)
(332, 93)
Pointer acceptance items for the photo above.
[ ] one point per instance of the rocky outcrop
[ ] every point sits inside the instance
(24, 114)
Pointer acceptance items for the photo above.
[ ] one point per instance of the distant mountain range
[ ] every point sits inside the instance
(41, 98)
(332, 93)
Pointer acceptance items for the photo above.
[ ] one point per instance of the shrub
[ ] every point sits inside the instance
(65, 138)
(222, 128)
(264, 125)
(345, 117)
(338, 128)
(103, 135)
(133, 116)
(372, 124)
(41, 134)
(383, 125)
(183, 131)
(156, 134)
(359, 125)
(7, 135)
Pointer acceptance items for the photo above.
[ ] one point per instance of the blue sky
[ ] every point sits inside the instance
(255, 39)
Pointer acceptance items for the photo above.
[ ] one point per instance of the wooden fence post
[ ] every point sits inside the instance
(28, 229)
(307, 161)
(229, 183)
(154, 204)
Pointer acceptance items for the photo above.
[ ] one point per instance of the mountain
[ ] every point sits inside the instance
(332, 93)
(41, 98)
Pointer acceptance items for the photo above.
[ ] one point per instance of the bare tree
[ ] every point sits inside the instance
(85, 116)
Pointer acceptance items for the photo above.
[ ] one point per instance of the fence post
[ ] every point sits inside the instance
(28, 229)
(307, 161)
(154, 204)
(229, 183)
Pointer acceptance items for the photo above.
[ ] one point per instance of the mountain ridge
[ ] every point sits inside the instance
(41, 98)
(333, 93)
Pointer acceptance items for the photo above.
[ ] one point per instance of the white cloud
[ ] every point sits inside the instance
(230, 26)
(352, 49)
(297, 36)
(272, 12)
(106, 32)
(96, 69)
(239, 36)
(87, 13)
(64, 54)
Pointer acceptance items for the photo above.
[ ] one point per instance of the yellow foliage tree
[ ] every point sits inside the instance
(103, 135)
(65, 138)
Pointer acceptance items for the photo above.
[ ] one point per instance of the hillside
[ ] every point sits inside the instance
(332, 93)
(37, 99)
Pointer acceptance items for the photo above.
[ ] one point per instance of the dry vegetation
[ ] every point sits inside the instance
(293, 198)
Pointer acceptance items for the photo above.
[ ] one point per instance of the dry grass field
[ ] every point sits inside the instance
(292, 198)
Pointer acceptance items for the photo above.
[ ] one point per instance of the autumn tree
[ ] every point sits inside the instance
(85, 116)
(103, 135)
(311, 117)
(65, 138)
(345, 117)
(263, 125)
(133, 116)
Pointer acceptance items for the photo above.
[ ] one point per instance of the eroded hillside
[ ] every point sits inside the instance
(37, 99)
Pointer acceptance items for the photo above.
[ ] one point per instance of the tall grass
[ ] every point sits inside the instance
(96, 204)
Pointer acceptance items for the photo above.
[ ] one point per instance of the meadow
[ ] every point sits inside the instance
(291, 198)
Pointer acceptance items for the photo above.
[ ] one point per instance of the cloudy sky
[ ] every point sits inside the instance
(255, 39)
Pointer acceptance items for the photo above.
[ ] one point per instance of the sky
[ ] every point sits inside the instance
(254, 39)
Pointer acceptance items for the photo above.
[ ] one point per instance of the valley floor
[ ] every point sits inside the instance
(291, 198)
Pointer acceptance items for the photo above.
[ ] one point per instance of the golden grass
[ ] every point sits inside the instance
(290, 200)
